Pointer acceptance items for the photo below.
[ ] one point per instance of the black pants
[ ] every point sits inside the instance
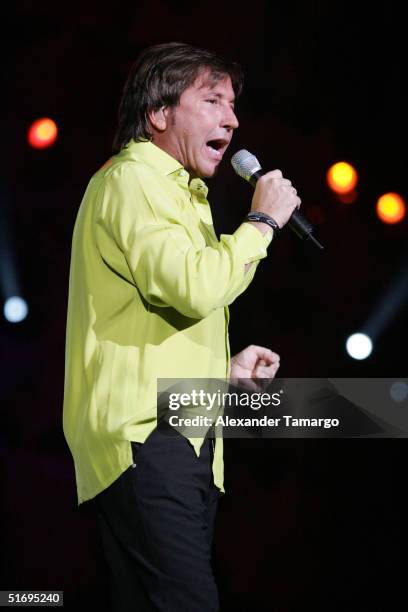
(156, 522)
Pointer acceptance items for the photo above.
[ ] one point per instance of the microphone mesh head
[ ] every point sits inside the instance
(245, 164)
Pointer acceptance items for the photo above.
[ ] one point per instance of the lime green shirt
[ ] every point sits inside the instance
(149, 290)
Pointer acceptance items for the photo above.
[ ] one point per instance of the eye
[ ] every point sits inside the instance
(212, 100)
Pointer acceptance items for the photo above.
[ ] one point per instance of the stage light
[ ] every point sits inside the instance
(359, 346)
(342, 178)
(15, 309)
(42, 133)
(399, 391)
(390, 208)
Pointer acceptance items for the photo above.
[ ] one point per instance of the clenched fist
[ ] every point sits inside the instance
(275, 196)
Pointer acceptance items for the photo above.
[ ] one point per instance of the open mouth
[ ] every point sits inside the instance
(217, 147)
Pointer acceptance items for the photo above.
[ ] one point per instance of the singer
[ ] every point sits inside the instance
(149, 289)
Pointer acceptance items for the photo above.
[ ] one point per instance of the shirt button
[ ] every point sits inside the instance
(183, 173)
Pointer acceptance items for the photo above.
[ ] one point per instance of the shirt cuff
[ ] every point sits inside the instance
(252, 243)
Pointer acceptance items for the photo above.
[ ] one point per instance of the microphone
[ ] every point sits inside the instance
(248, 167)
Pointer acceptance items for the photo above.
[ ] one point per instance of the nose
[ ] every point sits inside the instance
(230, 119)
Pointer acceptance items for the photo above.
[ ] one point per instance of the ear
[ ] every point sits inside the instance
(159, 118)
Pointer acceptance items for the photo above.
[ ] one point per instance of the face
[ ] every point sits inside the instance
(198, 131)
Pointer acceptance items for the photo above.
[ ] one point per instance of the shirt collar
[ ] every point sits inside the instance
(198, 188)
(154, 156)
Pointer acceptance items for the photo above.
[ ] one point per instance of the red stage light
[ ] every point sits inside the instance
(42, 133)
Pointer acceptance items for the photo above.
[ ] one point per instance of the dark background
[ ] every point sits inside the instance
(305, 524)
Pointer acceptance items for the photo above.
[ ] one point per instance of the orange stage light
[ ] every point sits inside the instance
(342, 178)
(42, 133)
(391, 208)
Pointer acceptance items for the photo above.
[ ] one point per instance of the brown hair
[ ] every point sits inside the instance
(158, 78)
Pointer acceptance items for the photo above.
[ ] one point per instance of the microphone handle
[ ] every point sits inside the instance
(297, 222)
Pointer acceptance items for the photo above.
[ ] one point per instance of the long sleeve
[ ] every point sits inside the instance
(162, 249)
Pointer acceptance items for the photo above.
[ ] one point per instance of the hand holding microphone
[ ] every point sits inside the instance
(274, 196)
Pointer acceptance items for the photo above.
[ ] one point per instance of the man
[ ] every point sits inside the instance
(150, 285)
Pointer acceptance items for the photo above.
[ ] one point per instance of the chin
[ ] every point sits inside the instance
(209, 172)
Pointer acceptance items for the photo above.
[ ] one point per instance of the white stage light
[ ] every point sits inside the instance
(15, 309)
(359, 346)
(399, 391)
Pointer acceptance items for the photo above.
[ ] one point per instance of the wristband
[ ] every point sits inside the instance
(263, 218)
